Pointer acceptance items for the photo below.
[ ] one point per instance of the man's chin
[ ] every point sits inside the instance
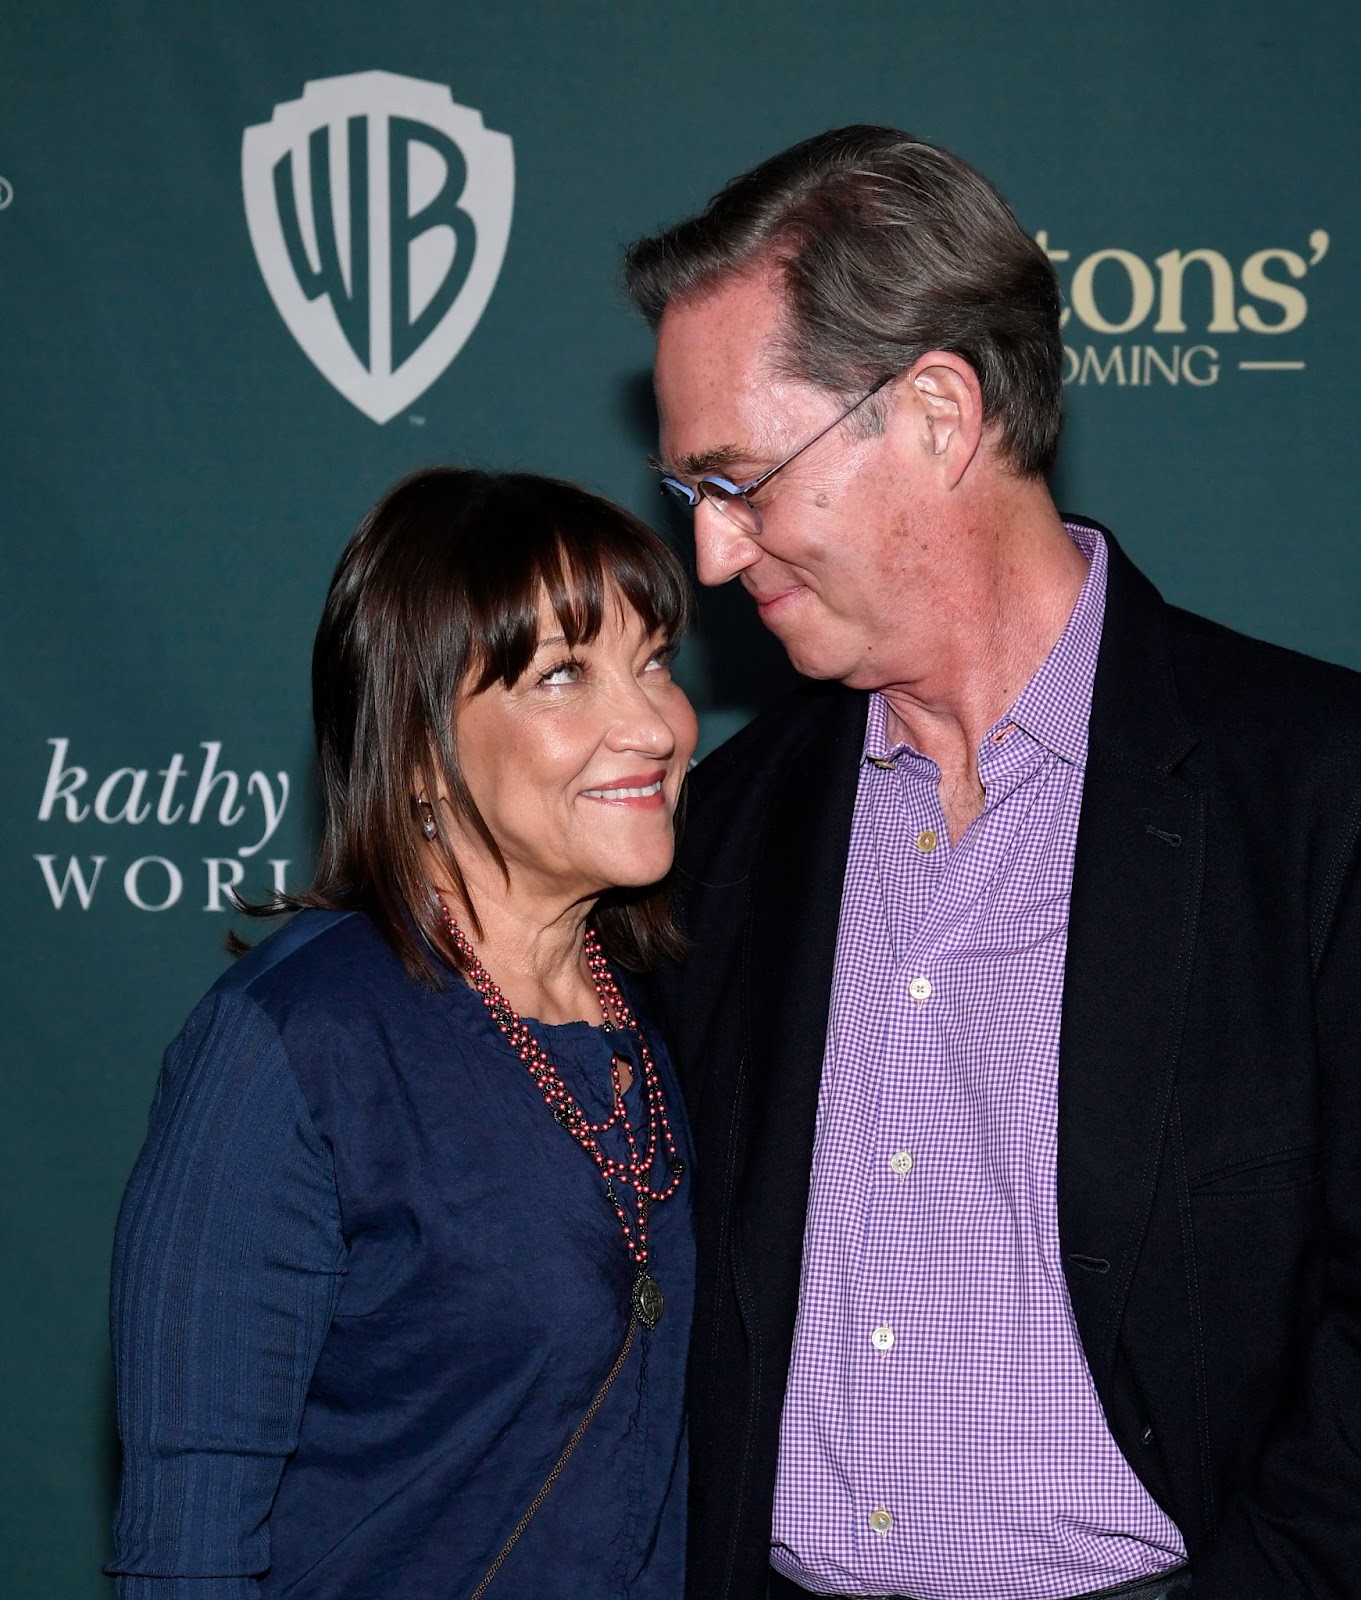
(813, 658)
(795, 623)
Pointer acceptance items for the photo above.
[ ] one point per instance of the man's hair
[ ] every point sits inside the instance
(888, 247)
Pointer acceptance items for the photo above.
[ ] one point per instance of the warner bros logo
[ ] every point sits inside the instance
(379, 210)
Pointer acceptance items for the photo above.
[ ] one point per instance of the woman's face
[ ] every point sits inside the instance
(576, 768)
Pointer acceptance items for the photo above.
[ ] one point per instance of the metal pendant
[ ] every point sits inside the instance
(648, 1300)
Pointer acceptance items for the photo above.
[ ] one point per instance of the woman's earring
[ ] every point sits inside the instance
(426, 812)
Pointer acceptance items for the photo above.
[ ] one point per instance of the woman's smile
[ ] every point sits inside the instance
(632, 791)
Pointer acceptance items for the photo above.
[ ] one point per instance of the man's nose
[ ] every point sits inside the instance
(722, 550)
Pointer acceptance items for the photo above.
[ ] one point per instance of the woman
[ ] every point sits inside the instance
(402, 1281)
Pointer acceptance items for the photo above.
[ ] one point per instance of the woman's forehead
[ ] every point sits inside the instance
(575, 621)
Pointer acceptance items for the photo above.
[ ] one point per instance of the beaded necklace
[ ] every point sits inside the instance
(646, 1300)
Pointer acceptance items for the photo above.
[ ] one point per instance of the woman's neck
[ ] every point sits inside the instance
(535, 955)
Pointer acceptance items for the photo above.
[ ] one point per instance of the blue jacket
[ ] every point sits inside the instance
(365, 1288)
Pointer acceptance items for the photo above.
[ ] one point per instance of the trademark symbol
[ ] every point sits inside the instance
(416, 422)
(6, 192)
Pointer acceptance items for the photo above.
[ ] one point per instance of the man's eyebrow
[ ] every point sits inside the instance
(695, 466)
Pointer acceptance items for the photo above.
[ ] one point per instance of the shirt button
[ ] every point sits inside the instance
(882, 1338)
(920, 990)
(927, 841)
(902, 1162)
(881, 1520)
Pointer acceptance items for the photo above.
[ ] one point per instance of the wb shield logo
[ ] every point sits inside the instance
(380, 212)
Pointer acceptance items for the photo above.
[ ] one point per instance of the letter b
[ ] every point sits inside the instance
(408, 332)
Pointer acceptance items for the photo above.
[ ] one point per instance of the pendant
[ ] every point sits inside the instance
(648, 1301)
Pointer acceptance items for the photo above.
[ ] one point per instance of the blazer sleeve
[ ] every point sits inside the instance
(1296, 1535)
(227, 1264)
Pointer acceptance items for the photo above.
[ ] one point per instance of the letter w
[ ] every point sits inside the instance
(351, 305)
(85, 892)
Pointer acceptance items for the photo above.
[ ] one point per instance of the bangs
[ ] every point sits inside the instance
(583, 554)
(438, 591)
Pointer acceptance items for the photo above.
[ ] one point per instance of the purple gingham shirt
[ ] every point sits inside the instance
(941, 1435)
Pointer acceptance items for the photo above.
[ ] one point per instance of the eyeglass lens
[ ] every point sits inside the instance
(734, 505)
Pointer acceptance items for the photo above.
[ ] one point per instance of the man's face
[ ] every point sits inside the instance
(830, 568)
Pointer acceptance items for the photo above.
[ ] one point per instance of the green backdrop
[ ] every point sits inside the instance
(180, 464)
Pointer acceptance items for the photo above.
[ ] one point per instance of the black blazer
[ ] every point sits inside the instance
(1209, 1142)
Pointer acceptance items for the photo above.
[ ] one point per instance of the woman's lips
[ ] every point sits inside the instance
(638, 793)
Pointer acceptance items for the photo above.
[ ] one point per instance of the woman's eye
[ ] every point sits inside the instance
(563, 672)
(660, 660)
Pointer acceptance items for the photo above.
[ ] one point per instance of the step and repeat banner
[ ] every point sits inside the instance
(259, 260)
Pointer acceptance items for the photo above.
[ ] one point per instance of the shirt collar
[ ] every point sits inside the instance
(877, 748)
(1054, 708)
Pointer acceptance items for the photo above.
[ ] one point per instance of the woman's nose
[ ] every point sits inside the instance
(639, 725)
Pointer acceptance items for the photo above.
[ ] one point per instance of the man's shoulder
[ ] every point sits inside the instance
(1232, 682)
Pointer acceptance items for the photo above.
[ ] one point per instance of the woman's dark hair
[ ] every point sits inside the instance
(888, 247)
(437, 594)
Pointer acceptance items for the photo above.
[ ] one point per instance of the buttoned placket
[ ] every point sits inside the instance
(938, 883)
(939, 1102)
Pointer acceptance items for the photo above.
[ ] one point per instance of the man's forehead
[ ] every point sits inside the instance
(698, 438)
(714, 377)
(730, 327)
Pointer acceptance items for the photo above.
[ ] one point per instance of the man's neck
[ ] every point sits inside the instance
(1011, 597)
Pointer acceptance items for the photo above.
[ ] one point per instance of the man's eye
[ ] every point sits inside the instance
(563, 672)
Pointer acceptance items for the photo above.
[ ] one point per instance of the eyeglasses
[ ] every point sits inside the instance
(732, 498)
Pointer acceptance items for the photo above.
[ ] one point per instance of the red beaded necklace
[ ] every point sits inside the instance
(647, 1299)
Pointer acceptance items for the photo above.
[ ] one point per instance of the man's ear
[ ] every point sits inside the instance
(948, 403)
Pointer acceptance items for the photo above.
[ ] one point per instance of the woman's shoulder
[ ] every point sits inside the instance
(312, 998)
(307, 948)
(321, 964)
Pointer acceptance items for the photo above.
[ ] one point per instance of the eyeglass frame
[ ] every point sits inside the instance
(692, 495)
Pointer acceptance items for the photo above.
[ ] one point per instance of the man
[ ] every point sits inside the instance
(1021, 1027)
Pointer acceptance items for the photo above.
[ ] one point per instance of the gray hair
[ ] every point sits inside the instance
(888, 247)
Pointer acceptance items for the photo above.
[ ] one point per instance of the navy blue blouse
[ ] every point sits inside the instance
(365, 1288)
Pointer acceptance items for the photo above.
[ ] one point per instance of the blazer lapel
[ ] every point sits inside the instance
(1136, 897)
(792, 949)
